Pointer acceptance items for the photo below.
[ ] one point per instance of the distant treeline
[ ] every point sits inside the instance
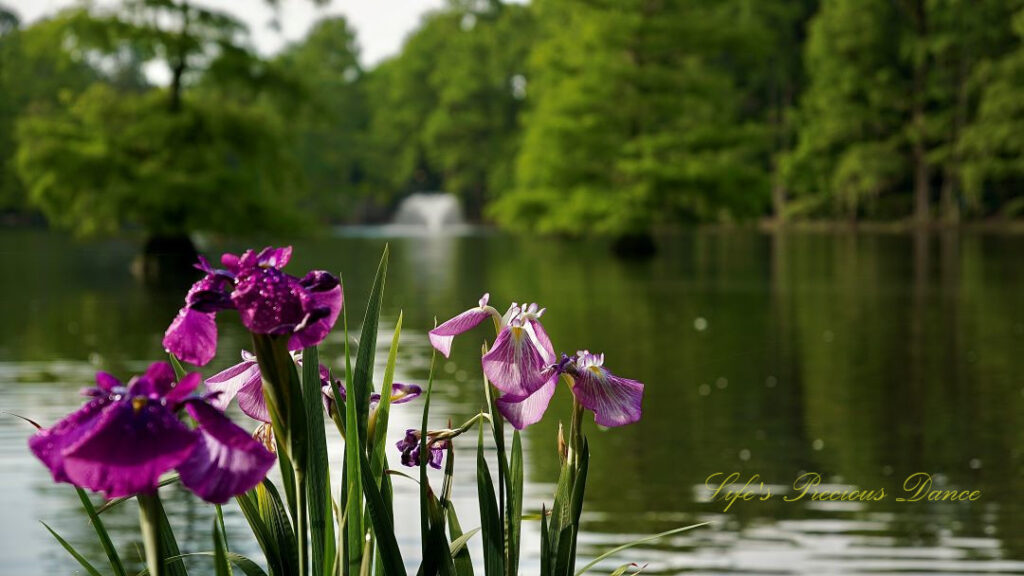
(559, 116)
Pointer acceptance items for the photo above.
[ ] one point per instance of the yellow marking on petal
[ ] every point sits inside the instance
(138, 403)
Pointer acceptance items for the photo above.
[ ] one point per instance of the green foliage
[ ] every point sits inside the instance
(36, 73)
(446, 110)
(111, 160)
(330, 127)
(851, 114)
(892, 103)
(109, 157)
(632, 122)
(992, 145)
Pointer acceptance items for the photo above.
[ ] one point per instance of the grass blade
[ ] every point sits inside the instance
(74, 553)
(634, 543)
(101, 532)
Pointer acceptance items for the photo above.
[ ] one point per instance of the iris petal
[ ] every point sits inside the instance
(402, 393)
(269, 301)
(230, 381)
(183, 388)
(106, 382)
(614, 401)
(523, 411)
(226, 461)
(192, 336)
(323, 296)
(49, 444)
(514, 364)
(442, 336)
(128, 448)
(251, 400)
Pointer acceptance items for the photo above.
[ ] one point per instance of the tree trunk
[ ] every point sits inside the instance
(165, 259)
(922, 208)
(778, 198)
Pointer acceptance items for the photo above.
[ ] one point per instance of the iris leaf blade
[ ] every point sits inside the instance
(635, 543)
(74, 553)
(101, 533)
(490, 521)
(321, 525)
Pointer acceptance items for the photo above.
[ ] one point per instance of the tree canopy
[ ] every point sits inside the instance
(573, 117)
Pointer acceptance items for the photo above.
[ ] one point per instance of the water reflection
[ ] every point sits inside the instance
(861, 357)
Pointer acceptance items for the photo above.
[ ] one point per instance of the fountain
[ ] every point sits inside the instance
(434, 211)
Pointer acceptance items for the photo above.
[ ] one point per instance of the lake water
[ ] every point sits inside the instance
(863, 358)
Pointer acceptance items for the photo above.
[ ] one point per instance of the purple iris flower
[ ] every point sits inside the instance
(268, 300)
(615, 401)
(410, 448)
(400, 394)
(125, 437)
(243, 381)
(517, 362)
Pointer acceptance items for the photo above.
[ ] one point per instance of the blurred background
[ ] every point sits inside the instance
(797, 221)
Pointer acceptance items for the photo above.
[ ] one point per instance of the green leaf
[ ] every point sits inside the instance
(179, 370)
(458, 550)
(383, 527)
(490, 521)
(266, 515)
(74, 553)
(428, 567)
(318, 478)
(282, 390)
(514, 516)
(168, 545)
(569, 508)
(220, 547)
(545, 544)
(458, 546)
(380, 429)
(101, 532)
(362, 380)
(440, 551)
(638, 542)
(246, 565)
(355, 533)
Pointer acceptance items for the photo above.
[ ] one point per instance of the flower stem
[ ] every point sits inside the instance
(149, 520)
(575, 435)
